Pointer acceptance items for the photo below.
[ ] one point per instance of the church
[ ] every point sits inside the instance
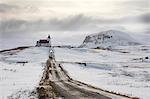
(44, 42)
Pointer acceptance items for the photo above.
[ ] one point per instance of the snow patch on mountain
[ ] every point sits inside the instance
(108, 39)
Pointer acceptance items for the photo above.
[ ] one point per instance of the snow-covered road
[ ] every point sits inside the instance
(56, 83)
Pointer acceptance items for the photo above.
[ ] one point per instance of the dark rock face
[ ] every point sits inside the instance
(87, 39)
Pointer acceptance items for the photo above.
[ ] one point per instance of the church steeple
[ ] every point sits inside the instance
(49, 39)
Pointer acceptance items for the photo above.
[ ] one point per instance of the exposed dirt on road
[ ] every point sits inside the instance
(56, 83)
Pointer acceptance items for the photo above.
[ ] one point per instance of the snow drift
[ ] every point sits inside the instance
(108, 39)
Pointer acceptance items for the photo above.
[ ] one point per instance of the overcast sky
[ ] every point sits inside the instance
(30, 16)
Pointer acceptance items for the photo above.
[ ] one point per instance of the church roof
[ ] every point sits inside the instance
(43, 41)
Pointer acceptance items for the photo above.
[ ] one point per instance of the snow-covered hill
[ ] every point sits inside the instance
(108, 39)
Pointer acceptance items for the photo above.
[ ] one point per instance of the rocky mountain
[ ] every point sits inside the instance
(108, 39)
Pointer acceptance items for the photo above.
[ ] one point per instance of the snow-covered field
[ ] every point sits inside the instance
(18, 79)
(121, 70)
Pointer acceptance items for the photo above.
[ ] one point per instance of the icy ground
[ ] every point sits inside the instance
(120, 70)
(18, 80)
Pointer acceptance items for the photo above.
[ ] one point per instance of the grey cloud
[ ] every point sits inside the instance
(70, 23)
(147, 30)
(145, 18)
(6, 7)
(135, 19)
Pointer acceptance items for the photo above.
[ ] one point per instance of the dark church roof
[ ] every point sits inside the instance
(43, 41)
